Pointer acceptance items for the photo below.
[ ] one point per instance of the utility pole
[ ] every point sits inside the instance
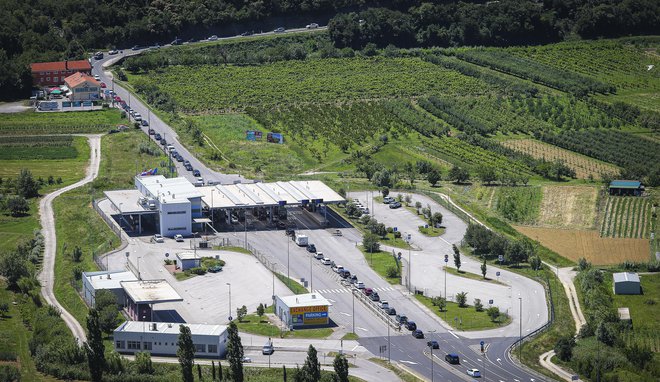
(520, 341)
(288, 276)
(229, 285)
(431, 347)
(353, 293)
(409, 264)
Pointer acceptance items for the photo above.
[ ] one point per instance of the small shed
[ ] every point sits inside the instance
(626, 188)
(187, 260)
(624, 316)
(627, 283)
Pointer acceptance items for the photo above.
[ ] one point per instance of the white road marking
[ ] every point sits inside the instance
(362, 329)
(345, 314)
(356, 346)
(452, 333)
(409, 362)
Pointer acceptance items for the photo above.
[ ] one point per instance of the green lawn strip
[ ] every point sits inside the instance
(626, 226)
(182, 276)
(380, 261)
(350, 336)
(404, 375)
(468, 317)
(34, 123)
(254, 324)
(472, 276)
(432, 231)
(293, 285)
(232, 249)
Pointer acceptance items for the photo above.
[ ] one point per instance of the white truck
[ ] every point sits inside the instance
(302, 240)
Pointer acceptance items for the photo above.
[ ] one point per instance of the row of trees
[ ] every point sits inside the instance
(489, 244)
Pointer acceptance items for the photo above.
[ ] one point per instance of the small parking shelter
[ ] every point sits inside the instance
(627, 283)
(302, 310)
(141, 295)
(187, 260)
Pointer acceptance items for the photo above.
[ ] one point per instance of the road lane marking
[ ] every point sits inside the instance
(452, 333)
(409, 362)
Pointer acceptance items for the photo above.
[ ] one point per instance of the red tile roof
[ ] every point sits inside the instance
(60, 65)
(48, 66)
(78, 78)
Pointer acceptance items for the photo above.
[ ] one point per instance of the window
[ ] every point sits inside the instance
(213, 349)
(134, 345)
(47, 78)
(146, 345)
(175, 212)
(55, 79)
(176, 229)
(119, 344)
(42, 73)
(47, 72)
(200, 348)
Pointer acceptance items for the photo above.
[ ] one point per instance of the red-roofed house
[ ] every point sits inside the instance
(83, 87)
(54, 73)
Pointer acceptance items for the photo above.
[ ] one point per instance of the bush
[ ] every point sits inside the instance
(143, 363)
(9, 373)
(493, 312)
(461, 299)
(370, 243)
(197, 271)
(478, 306)
(392, 271)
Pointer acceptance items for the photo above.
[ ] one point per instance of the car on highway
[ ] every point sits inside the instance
(195, 172)
(474, 373)
(384, 305)
(137, 47)
(452, 358)
(401, 318)
(103, 85)
(374, 297)
(213, 38)
(345, 273)
(418, 333)
(337, 268)
(157, 136)
(311, 248)
(360, 285)
(410, 325)
(178, 238)
(158, 238)
(279, 30)
(137, 117)
(352, 279)
(367, 291)
(163, 141)
(247, 33)
(433, 344)
(145, 123)
(192, 39)
(395, 205)
(98, 55)
(247, 360)
(326, 261)
(318, 255)
(268, 348)
(113, 52)
(391, 311)
(187, 165)
(96, 77)
(179, 158)
(312, 26)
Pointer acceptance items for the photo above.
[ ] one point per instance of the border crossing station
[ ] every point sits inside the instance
(172, 206)
(302, 310)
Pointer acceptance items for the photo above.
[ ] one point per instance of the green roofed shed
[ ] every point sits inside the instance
(626, 187)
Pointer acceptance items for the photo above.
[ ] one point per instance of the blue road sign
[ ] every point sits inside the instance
(497, 273)
(396, 229)
(490, 302)
(482, 343)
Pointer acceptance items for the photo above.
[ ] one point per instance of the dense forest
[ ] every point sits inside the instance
(44, 30)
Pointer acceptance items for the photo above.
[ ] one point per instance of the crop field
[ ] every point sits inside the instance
(575, 244)
(568, 207)
(583, 166)
(37, 147)
(221, 88)
(626, 217)
(519, 204)
(34, 123)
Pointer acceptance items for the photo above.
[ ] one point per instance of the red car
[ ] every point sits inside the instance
(117, 99)
(103, 85)
(368, 291)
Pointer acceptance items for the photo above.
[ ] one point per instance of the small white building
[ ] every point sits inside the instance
(82, 87)
(160, 338)
(302, 310)
(187, 260)
(627, 283)
(95, 281)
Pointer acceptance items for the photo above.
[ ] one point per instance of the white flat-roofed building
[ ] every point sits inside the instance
(187, 260)
(309, 309)
(141, 295)
(160, 338)
(103, 280)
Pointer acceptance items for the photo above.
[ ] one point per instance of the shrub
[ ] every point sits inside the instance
(392, 271)
(493, 312)
(143, 363)
(370, 243)
(461, 299)
(478, 306)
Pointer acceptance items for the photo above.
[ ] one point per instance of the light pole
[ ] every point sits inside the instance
(229, 285)
(520, 340)
(311, 274)
(445, 290)
(409, 264)
(211, 208)
(138, 264)
(288, 277)
(431, 347)
(353, 293)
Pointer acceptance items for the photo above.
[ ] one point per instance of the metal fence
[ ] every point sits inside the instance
(111, 223)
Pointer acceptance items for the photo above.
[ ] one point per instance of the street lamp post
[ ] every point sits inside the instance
(388, 342)
(311, 274)
(431, 347)
(229, 285)
(409, 265)
(211, 208)
(138, 264)
(445, 291)
(288, 276)
(520, 341)
(353, 293)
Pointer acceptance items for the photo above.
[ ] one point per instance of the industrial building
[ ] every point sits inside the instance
(160, 338)
(103, 280)
(142, 295)
(175, 206)
(627, 283)
(303, 310)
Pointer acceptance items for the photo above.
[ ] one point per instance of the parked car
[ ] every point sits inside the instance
(157, 137)
(384, 305)
(352, 279)
(433, 344)
(188, 166)
(151, 132)
(474, 373)
(233, 219)
(195, 172)
(388, 200)
(279, 30)
(374, 297)
(326, 261)
(199, 182)
(178, 238)
(337, 268)
(145, 122)
(98, 55)
(411, 325)
(367, 291)
(137, 117)
(418, 333)
(179, 158)
(103, 85)
(312, 26)
(213, 38)
(290, 231)
(391, 311)
(163, 141)
(360, 285)
(395, 205)
(311, 248)
(401, 318)
(247, 33)
(96, 77)
(177, 41)
(452, 358)
(158, 238)
(345, 273)
(318, 255)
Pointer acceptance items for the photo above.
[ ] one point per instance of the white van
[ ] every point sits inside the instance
(302, 240)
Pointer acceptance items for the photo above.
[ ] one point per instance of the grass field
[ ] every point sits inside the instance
(34, 123)
(518, 204)
(575, 244)
(380, 261)
(568, 207)
(464, 318)
(626, 217)
(646, 327)
(583, 166)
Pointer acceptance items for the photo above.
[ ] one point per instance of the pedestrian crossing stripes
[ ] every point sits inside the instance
(348, 290)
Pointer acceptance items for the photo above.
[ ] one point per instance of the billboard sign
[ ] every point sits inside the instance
(253, 135)
(275, 138)
(309, 315)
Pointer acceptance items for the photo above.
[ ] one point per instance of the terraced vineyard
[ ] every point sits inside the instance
(583, 166)
(626, 217)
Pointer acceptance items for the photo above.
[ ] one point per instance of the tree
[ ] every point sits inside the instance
(433, 177)
(94, 347)
(564, 348)
(26, 186)
(13, 267)
(108, 319)
(381, 230)
(487, 175)
(536, 263)
(410, 171)
(461, 299)
(234, 353)
(199, 372)
(260, 310)
(478, 306)
(311, 370)
(284, 373)
(4, 309)
(440, 302)
(220, 378)
(483, 268)
(105, 298)
(493, 312)
(241, 313)
(186, 353)
(213, 370)
(76, 255)
(370, 243)
(341, 368)
(385, 191)
(457, 258)
(143, 363)
(436, 219)
(17, 206)
(459, 175)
